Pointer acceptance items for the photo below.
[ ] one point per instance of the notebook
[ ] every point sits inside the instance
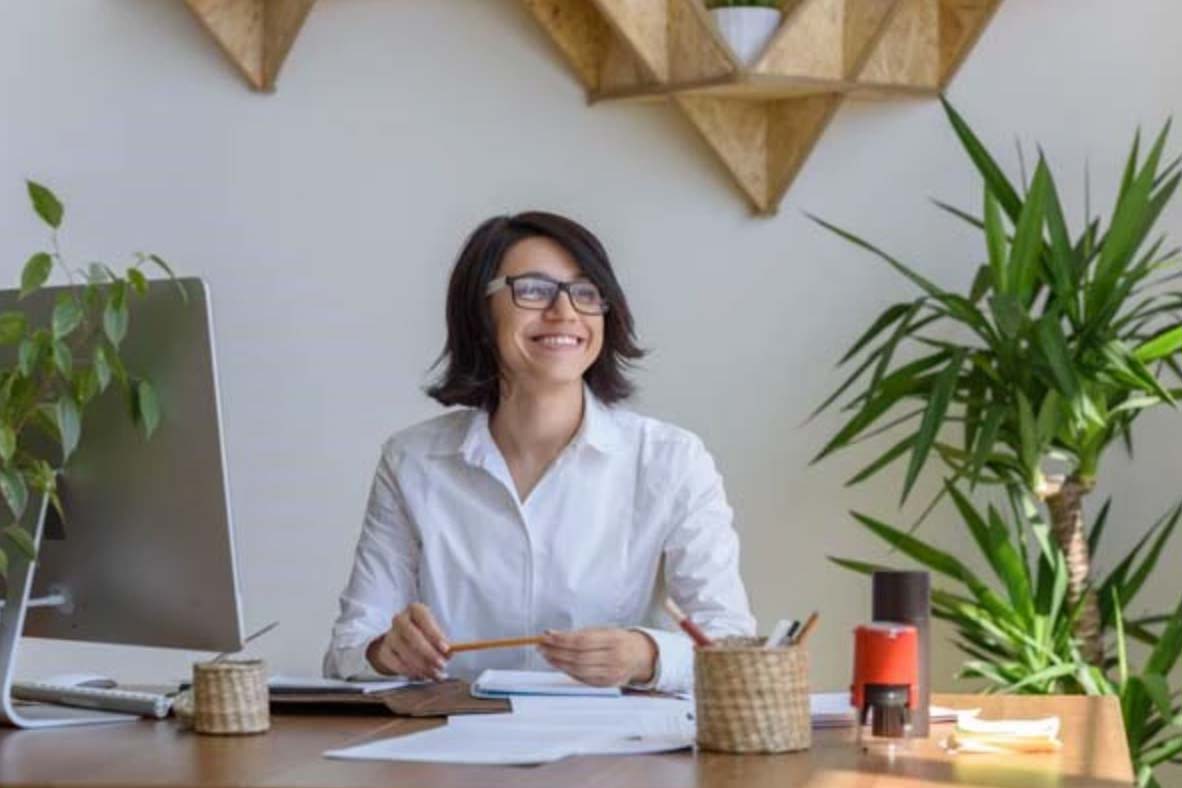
(308, 685)
(506, 683)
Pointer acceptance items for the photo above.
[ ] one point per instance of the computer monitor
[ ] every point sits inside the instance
(145, 555)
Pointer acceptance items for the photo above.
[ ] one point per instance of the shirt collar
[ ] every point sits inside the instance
(598, 431)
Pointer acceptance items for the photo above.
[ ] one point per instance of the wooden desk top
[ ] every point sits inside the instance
(159, 754)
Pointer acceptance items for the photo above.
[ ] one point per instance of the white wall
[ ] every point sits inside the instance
(326, 217)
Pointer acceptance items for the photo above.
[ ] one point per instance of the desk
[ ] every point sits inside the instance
(158, 754)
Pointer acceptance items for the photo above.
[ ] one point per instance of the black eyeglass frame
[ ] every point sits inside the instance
(502, 282)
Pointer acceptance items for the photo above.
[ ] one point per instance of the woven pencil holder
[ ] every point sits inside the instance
(751, 699)
(231, 697)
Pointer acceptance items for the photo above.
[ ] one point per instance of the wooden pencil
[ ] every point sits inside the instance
(807, 629)
(478, 645)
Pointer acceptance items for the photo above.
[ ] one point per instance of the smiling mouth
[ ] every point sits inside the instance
(558, 341)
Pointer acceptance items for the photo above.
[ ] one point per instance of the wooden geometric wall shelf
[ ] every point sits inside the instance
(763, 120)
(255, 34)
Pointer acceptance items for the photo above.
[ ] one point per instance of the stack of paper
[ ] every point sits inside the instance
(976, 735)
(508, 683)
(543, 729)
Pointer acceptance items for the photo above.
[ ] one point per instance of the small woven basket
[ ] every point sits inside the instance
(751, 699)
(231, 697)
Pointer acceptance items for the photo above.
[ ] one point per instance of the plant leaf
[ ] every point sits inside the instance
(115, 317)
(1054, 347)
(46, 204)
(1097, 529)
(16, 492)
(933, 418)
(147, 407)
(1022, 267)
(7, 442)
(35, 272)
(12, 327)
(889, 456)
(1006, 195)
(21, 539)
(63, 359)
(69, 424)
(138, 281)
(995, 241)
(102, 369)
(67, 315)
(1166, 343)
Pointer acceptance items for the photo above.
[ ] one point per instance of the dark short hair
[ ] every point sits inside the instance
(471, 374)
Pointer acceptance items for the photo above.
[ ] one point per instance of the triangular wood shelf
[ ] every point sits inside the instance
(255, 34)
(763, 120)
(763, 143)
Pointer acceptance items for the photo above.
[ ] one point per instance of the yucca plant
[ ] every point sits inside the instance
(1016, 629)
(1060, 342)
(1057, 346)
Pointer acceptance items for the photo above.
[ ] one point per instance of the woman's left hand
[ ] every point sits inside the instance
(602, 657)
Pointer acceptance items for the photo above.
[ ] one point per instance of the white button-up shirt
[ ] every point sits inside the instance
(631, 509)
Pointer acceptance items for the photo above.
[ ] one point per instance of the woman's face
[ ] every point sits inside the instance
(543, 348)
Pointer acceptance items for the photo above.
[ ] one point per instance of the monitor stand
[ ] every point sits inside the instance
(12, 623)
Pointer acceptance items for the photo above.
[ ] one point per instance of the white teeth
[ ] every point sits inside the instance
(558, 341)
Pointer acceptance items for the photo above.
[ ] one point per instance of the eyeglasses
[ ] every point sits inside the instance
(534, 291)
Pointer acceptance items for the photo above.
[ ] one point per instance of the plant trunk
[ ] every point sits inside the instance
(1064, 499)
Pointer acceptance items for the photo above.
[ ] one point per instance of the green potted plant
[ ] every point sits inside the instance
(55, 370)
(1046, 358)
(746, 25)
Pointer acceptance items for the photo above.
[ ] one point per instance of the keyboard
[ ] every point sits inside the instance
(145, 704)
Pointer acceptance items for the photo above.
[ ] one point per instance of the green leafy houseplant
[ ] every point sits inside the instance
(59, 368)
(1059, 344)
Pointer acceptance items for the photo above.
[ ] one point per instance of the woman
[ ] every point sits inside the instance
(540, 507)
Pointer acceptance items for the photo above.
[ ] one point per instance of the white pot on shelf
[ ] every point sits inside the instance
(747, 29)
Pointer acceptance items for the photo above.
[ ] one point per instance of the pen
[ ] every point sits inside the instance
(782, 629)
(809, 624)
(691, 629)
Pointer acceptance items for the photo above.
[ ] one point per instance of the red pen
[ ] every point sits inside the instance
(684, 622)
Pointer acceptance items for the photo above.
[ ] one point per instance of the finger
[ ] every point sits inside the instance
(390, 659)
(602, 678)
(599, 676)
(593, 651)
(422, 664)
(576, 660)
(421, 615)
(417, 640)
(580, 640)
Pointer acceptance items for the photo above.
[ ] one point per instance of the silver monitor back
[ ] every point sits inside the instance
(146, 552)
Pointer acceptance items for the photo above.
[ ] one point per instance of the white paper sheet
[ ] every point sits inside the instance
(501, 683)
(544, 729)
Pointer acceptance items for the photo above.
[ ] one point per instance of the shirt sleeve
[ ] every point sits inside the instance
(701, 571)
(384, 579)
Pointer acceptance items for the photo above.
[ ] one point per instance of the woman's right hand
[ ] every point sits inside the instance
(414, 646)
